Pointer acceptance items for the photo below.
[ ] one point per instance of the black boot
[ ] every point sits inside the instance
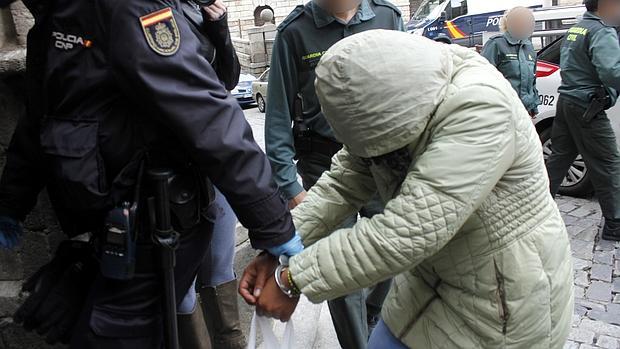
(611, 230)
(222, 315)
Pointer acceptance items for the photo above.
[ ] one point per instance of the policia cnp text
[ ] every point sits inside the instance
(590, 62)
(133, 93)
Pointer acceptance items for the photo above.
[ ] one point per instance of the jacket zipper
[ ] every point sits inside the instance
(500, 293)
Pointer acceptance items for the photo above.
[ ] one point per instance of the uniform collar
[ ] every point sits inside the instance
(511, 40)
(323, 18)
(590, 15)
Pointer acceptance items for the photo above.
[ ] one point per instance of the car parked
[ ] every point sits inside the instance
(259, 88)
(577, 181)
(243, 91)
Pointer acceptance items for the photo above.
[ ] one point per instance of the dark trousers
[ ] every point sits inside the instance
(596, 142)
(349, 313)
(128, 314)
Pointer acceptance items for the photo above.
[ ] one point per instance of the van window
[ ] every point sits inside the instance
(426, 8)
(457, 8)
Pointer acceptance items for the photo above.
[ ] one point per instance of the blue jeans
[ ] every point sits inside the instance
(382, 338)
(217, 266)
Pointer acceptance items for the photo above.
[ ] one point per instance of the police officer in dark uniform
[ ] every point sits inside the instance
(116, 88)
(218, 300)
(300, 42)
(590, 62)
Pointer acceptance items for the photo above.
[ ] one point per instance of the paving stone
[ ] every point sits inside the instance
(588, 234)
(567, 207)
(600, 291)
(581, 264)
(616, 267)
(587, 222)
(601, 272)
(581, 335)
(600, 328)
(614, 308)
(570, 220)
(576, 320)
(583, 212)
(571, 345)
(581, 278)
(616, 299)
(604, 257)
(582, 249)
(607, 342)
(580, 292)
(615, 286)
(607, 317)
(590, 305)
(574, 230)
(605, 245)
(587, 346)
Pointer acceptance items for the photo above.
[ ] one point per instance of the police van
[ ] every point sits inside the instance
(463, 22)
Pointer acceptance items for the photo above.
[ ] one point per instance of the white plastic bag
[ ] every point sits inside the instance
(269, 338)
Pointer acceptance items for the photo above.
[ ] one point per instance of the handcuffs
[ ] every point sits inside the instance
(293, 291)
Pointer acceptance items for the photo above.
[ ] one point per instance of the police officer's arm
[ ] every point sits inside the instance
(605, 53)
(279, 138)
(228, 67)
(182, 92)
(491, 52)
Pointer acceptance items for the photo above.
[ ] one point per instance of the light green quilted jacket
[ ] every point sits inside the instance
(476, 244)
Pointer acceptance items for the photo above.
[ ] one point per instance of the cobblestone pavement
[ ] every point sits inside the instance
(596, 321)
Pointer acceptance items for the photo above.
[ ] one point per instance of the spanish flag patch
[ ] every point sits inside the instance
(161, 32)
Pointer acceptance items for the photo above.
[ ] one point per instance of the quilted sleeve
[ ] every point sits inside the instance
(338, 194)
(472, 147)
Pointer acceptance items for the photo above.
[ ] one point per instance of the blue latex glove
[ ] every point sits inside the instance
(292, 247)
(10, 232)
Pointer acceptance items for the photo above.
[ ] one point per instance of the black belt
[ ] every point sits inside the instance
(313, 143)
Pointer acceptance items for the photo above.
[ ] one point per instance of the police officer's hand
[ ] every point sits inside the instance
(274, 303)
(294, 202)
(215, 11)
(255, 277)
(10, 232)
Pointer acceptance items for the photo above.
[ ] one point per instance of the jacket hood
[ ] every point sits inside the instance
(378, 89)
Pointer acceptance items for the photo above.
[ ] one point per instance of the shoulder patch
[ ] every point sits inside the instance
(386, 3)
(161, 32)
(297, 11)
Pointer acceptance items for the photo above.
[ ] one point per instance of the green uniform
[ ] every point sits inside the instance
(590, 59)
(516, 60)
(302, 39)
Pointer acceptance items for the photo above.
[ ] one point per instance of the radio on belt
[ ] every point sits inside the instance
(118, 249)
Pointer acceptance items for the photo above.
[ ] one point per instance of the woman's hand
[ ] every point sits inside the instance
(215, 11)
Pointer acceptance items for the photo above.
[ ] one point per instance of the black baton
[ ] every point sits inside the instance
(167, 239)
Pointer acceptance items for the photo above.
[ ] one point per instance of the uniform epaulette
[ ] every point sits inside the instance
(387, 4)
(297, 11)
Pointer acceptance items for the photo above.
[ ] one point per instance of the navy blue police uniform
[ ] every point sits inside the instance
(114, 85)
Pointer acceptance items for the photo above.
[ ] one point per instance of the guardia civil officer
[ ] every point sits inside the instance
(590, 62)
(512, 53)
(116, 88)
(301, 40)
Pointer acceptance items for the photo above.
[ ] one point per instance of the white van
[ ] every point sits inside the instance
(463, 22)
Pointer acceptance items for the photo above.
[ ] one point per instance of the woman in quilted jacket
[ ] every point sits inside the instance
(476, 244)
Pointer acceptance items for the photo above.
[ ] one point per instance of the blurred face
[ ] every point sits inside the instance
(609, 10)
(338, 6)
(520, 24)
